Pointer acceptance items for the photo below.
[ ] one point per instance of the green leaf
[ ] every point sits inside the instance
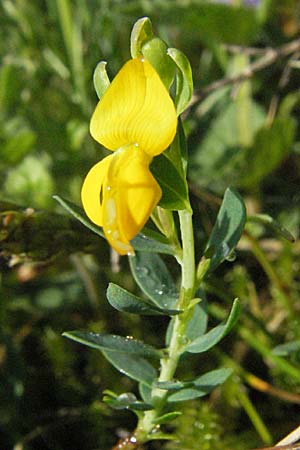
(155, 50)
(113, 342)
(172, 183)
(142, 242)
(100, 79)
(145, 392)
(127, 400)
(151, 242)
(287, 349)
(220, 150)
(268, 221)
(166, 418)
(271, 145)
(210, 339)
(169, 170)
(78, 213)
(184, 80)
(187, 394)
(227, 230)
(177, 153)
(124, 301)
(30, 182)
(133, 366)
(154, 279)
(140, 34)
(205, 383)
(213, 378)
(202, 385)
(17, 146)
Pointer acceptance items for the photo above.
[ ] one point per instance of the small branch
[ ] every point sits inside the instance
(270, 56)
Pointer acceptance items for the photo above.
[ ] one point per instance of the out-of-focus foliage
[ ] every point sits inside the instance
(55, 272)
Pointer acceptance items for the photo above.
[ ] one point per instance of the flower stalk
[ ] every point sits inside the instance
(169, 363)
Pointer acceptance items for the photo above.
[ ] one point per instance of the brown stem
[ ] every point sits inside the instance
(270, 56)
(129, 443)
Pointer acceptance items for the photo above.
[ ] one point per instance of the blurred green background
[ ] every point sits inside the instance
(54, 272)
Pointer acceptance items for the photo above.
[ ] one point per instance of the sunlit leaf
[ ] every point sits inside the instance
(184, 80)
(210, 339)
(124, 301)
(112, 342)
(100, 78)
(142, 242)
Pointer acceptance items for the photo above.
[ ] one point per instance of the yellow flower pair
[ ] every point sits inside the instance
(136, 119)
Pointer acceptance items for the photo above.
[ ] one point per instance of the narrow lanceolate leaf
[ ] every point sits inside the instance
(133, 366)
(152, 242)
(287, 349)
(271, 223)
(187, 394)
(206, 382)
(227, 230)
(184, 80)
(124, 301)
(212, 378)
(201, 386)
(208, 340)
(142, 242)
(145, 392)
(154, 279)
(113, 342)
(78, 213)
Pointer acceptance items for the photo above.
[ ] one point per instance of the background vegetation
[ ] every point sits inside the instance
(243, 132)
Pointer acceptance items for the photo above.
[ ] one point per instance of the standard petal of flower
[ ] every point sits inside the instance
(92, 191)
(136, 108)
(130, 194)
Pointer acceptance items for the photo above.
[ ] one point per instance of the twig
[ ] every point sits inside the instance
(292, 437)
(284, 79)
(270, 56)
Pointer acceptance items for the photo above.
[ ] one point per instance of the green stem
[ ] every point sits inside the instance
(169, 364)
(254, 416)
(270, 272)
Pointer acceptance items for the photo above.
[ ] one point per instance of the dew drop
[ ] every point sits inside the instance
(133, 440)
(143, 270)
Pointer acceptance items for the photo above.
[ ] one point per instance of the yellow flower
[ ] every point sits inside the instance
(136, 119)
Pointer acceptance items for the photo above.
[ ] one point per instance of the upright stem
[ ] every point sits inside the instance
(178, 339)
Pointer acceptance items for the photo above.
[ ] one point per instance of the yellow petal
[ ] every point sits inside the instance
(92, 191)
(135, 109)
(131, 192)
